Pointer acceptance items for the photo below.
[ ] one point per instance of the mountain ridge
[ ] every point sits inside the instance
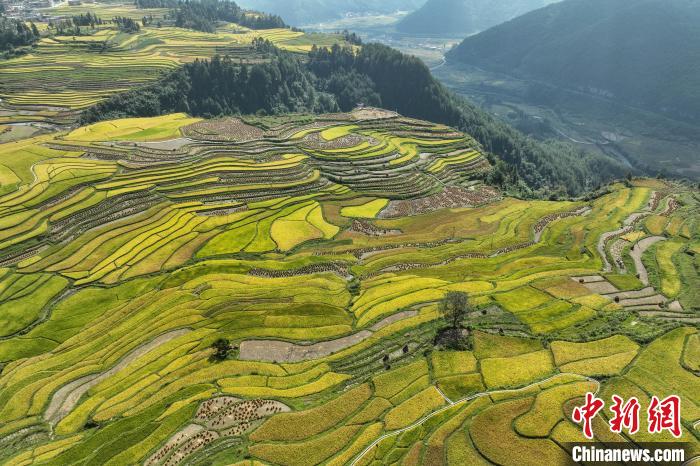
(308, 12)
(616, 49)
(464, 16)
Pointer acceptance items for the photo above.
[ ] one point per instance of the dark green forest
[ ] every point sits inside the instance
(127, 25)
(156, 3)
(203, 15)
(14, 34)
(338, 79)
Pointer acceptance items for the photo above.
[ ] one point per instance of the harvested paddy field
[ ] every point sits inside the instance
(320, 248)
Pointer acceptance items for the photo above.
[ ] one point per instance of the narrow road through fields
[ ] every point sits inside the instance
(443, 63)
(561, 133)
(447, 398)
(462, 401)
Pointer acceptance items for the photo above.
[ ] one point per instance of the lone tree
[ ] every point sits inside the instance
(454, 307)
(222, 347)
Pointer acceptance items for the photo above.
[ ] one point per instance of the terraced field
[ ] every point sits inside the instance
(68, 73)
(320, 247)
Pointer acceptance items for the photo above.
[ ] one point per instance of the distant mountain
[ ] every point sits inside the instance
(644, 53)
(465, 16)
(308, 12)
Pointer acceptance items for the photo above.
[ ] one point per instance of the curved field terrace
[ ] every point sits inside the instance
(260, 290)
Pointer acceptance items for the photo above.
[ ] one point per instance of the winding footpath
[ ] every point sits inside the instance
(638, 251)
(604, 238)
(440, 65)
(452, 404)
(627, 227)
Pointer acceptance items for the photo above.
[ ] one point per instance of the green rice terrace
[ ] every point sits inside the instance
(320, 247)
(64, 74)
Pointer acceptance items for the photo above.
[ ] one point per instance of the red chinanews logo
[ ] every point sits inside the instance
(661, 415)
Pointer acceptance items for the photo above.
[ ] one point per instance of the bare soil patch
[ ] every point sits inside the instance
(370, 113)
(603, 287)
(283, 351)
(224, 130)
(589, 279)
(452, 197)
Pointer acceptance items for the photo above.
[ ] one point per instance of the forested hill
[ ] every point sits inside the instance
(204, 15)
(645, 53)
(464, 16)
(338, 79)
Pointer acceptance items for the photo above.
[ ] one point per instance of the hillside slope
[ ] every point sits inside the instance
(464, 16)
(177, 291)
(621, 49)
(339, 79)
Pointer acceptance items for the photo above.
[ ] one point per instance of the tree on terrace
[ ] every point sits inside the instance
(454, 307)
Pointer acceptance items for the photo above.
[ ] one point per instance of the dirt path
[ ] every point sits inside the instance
(638, 251)
(65, 398)
(607, 266)
(440, 65)
(284, 351)
(627, 226)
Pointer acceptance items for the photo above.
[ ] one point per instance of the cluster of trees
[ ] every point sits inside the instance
(339, 78)
(147, 20)
(127, 24)
(143, 4)
(222, 86)
(87, 19)
(14, 33)
(222, 350)
(351, 37)
(202, 15)
(68, 27)
(72, 26)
